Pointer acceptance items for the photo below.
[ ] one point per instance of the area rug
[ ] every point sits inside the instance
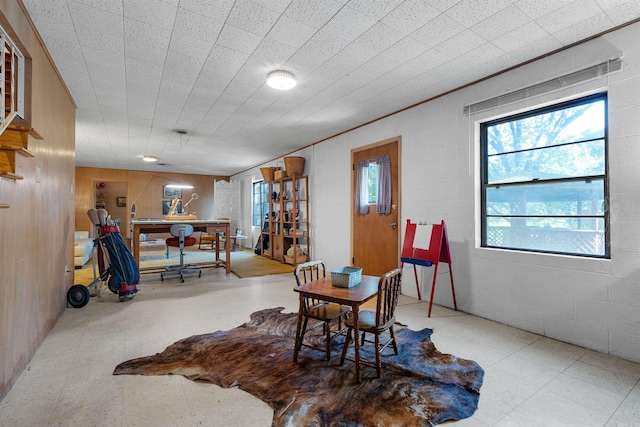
(244, 263)
(248, 264)
(418, 387)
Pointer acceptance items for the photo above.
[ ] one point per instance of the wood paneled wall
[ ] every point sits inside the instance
(144, 189)
(36, 231)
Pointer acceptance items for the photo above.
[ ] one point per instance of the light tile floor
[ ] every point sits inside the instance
(529, 380)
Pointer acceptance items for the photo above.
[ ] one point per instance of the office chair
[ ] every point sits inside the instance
(181, 238)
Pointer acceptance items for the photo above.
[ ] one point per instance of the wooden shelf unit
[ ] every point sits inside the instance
(14, 139)
(288, 226)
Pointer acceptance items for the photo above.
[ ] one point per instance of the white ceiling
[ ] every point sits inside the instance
(141, 69)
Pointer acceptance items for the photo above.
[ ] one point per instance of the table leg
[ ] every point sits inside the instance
(356, 341)
(298, 330)
(227, 247)
(136, 245)
(217, 246)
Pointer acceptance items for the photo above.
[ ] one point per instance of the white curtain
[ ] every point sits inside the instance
(384, 185)
(362, 179)
(226, 202)
(383, 204)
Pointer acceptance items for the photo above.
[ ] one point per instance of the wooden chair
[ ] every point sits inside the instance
(323, 311)
(380, 321)
(207, 241)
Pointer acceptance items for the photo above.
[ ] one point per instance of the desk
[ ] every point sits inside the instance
(354, 297)
(216, 227)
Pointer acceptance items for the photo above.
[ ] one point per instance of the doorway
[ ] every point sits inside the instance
(375, 239)
(112, 196)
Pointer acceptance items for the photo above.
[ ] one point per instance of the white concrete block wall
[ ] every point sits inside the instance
(593, 303)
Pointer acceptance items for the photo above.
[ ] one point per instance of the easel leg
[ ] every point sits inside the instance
(415, 273)
(433, 287)
(453, 291)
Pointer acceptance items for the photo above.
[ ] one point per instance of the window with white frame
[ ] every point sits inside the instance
(12, 67)
(544, 180)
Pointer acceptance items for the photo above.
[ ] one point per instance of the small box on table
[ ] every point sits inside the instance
(346, 277)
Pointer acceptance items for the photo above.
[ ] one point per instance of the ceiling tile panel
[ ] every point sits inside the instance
(538, 8)
(619, 11)
(102, 57)
(190, 47)
(147, 69)
(55, 12)
(59, 48)
(579, 11)
(378, 38)
(291, 32)
(238, 39)
(410, 15)
(315, 13)
(217, 9)
(115, 7)
(276, 5)
(348, 24)
(182, 68)
(274, 52)
(99, 40)
(469, 13)
(527, 35)
(101, 20)
(403, 51)
(146, 34)
(374, 9)
(502, 22)
(344, 62)
(252, 17)
(319, 49)
(135, 49)
(161, 13)
(460, 44)
(437, 31)
(197, 27)
(100, 93)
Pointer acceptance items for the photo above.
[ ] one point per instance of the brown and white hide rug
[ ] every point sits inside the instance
(418, 387)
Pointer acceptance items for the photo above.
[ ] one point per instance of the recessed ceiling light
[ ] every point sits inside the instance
(150, 159)
(280, 79)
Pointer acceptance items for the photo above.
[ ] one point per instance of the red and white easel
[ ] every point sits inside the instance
(437, 252)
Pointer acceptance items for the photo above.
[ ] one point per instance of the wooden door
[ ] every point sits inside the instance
(375, 240)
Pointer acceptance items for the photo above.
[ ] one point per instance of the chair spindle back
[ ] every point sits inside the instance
(388, 294)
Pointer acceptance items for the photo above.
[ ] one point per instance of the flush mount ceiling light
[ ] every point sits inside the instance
(150, 159)
(282, 80)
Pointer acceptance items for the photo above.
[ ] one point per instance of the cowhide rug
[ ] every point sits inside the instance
(419, 387)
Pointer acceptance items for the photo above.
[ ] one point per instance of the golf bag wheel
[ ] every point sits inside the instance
(78, 296)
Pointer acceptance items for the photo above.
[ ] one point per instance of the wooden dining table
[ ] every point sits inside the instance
(353, 297)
